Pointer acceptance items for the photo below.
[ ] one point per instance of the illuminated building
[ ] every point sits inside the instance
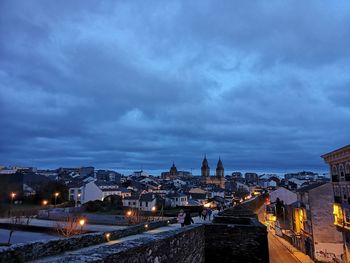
(339, 166)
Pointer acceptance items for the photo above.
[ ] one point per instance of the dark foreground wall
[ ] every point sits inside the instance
(236, 243)
(185, 246)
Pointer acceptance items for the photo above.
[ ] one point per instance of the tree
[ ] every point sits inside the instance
(69, 226)
(20, 217)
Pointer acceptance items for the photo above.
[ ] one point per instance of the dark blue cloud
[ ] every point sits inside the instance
(129, 85)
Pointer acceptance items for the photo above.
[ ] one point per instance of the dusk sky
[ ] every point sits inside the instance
(139, 84)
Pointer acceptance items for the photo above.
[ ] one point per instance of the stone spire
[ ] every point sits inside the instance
(173, 170)
(220, 172)
(205, 167)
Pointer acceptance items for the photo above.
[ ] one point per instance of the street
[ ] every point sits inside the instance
(278, 252)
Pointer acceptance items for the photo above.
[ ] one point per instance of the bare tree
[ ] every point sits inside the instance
(19, 217)
(69, 226)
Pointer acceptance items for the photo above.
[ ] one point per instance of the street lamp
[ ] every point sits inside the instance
(78, 200)
(13, 195)
(45, 202)
(56, 195)
(81, 223)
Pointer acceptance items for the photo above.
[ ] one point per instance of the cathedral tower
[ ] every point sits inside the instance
(205, 167)
(220, 169)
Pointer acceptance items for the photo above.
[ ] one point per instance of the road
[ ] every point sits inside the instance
(278, 252)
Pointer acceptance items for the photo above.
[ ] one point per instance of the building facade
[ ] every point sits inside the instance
(339, 166)
(218, 179)
(313, 230)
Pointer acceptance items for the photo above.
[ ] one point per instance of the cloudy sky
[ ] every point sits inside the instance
(140, 84)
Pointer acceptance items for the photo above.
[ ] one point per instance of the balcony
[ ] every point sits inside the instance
(337, 199)
(335, 178)
(347, 177)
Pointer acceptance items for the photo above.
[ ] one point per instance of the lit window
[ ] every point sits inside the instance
(338, 215)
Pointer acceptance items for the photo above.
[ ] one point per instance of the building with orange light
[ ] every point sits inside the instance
(313, 229)
(339, 166)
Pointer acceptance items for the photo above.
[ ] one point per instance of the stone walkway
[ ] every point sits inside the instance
(53, 224)
(89, 251)
(147, 234)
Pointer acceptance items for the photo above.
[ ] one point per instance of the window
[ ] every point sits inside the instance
(79, 191)
(71, 197)
(336, 190)
(347, 168)
(129, 203)
(72, 191)
(134, 203)
(341, 170)
(338, 215)
(347, 216)
(146, 204)
(344, 193)
(334, 170)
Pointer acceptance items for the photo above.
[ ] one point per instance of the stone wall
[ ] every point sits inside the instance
(236, 243)
(39, 249)
(184, 245)
(235, 237)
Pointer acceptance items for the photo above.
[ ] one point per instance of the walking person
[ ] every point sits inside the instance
(209, 212)
(181, 218)
(188, 219)
(204, 214)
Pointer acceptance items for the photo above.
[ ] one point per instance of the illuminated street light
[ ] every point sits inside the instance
(108, 235)
(153, 208)
(45, 202)
(56, 195)
(13, 195)
(81, 223)
(128, 213)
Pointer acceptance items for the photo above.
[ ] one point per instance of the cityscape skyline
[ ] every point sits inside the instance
(132, 85)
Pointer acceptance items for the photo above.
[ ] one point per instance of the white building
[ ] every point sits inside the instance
(174, 200)
(146, 202)
(93, 190)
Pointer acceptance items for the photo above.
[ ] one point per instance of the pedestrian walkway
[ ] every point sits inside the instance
(54, 224)
(87, 250)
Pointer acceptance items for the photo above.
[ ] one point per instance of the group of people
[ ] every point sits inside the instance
(207, 212)
(184, 218)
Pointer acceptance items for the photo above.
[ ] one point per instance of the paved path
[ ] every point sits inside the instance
(23, 236)
(53, 224)
(85, 251)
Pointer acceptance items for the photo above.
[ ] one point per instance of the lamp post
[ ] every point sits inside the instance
(56, 195)
(13, 195)
(78, 200)
(81, 223)
(153, 214)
